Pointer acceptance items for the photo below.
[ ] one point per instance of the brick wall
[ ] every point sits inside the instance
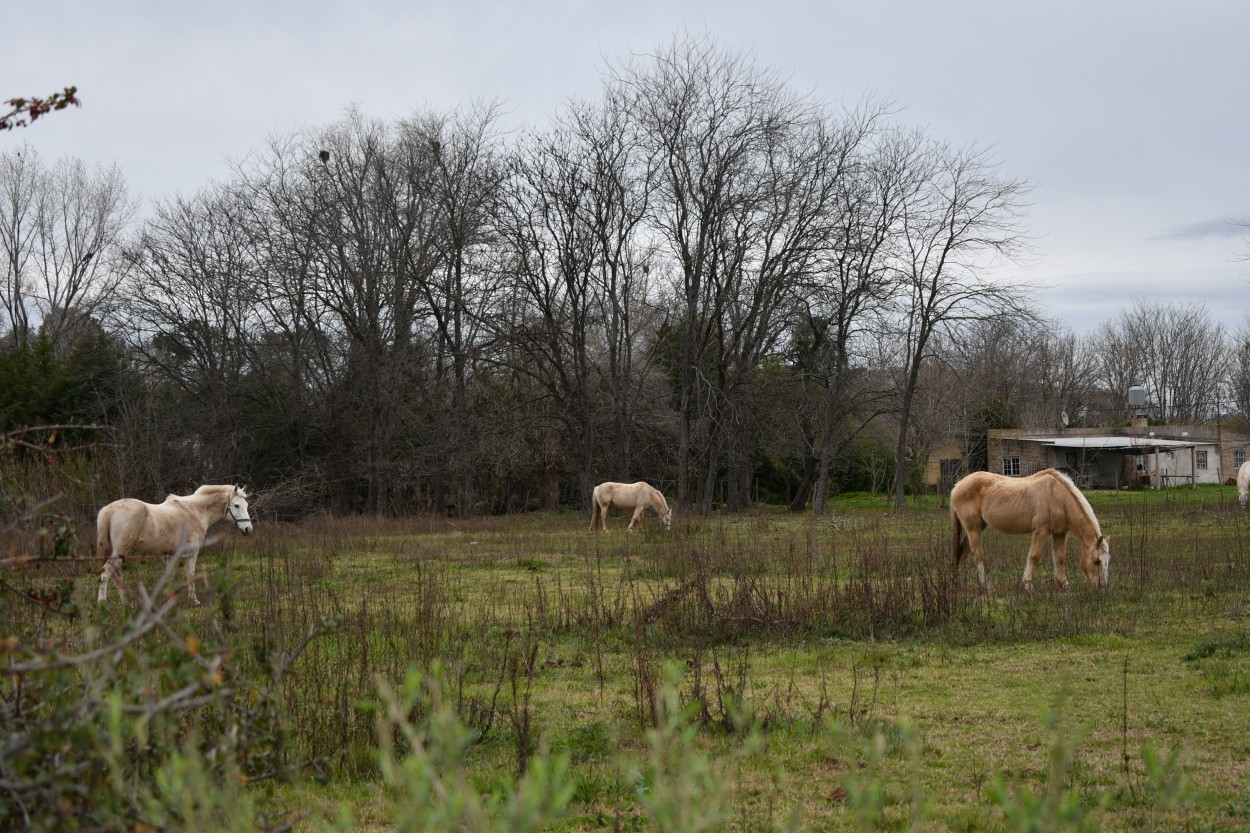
(1230, 443)
(1033, 456)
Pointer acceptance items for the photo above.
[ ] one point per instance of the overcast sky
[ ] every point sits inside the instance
(1132, 118)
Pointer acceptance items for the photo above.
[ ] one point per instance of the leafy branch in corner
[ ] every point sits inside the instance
(26, 111)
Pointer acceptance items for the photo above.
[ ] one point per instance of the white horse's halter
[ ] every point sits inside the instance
(238, 522)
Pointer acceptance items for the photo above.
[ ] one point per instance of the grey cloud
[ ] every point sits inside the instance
(1083, 301)
(1207, 228)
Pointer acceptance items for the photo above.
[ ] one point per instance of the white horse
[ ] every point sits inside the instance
(637, 496)
(1243, 483)
(131, 526)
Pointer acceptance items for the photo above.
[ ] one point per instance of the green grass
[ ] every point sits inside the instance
(823, 634)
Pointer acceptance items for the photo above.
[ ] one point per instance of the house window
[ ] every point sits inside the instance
(1011, 466)
(1201, 459)
(1239, 457)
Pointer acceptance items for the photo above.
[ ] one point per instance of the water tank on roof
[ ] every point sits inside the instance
(1136, 396)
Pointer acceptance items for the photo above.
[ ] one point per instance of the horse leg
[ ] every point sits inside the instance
(115, 550)
(1057, 554)
(1035, 555)
(638, 510)
(112, 569)
(978, 554)
(192, 555)
(104, 549)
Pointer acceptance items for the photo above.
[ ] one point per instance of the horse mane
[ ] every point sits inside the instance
(660, 496)
(1080, 498)
(211, 491)
(209, 488)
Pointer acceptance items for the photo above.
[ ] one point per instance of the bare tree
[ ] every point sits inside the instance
(83, 215)
(572, 220)
(1239, 369)
(1175, 350)
(188, 312)
(466, 180)
(22, 179)
(961, 219)
(621, 184)
(61, 230)
(1065, 381)
(382, 245)
(739, 193)
(1041, 371)
(842, 306)
(298, 362)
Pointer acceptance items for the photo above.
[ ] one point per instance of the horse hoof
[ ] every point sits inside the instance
(1028, 587)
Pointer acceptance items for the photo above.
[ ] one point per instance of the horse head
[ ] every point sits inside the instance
(667, 517)
(1096, 563)
(236, 510)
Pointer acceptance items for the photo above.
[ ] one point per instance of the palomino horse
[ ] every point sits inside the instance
(131, 526)
(637, 496)
(1243, 483)
(1046, 505)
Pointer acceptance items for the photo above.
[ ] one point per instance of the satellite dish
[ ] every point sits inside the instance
(1063, 417)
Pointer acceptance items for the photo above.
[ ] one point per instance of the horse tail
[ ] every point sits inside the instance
(103, 541)
(594, 511)
(959, 544)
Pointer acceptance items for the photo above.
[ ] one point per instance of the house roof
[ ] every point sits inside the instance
(1135, 445)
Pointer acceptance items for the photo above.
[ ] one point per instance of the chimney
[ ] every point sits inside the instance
(1138, 422)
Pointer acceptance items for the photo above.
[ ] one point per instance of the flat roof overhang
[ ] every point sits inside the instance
(1128, 445)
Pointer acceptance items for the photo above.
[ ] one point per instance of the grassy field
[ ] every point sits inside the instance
(834, 668)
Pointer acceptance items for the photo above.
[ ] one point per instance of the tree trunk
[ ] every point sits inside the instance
(900, 451)
(551, 488)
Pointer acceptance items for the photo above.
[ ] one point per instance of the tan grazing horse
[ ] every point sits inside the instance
(129, 526)
(637, 496)
(1045, 505)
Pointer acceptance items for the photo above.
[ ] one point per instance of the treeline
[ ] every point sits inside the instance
(703, 279)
